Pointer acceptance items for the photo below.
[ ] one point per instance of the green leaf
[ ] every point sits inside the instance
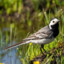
(8, 10)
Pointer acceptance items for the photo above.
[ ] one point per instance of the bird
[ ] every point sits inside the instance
(43, 36)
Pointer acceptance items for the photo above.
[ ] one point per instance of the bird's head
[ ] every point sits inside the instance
(54, 23)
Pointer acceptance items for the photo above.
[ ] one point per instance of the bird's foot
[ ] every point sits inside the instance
(43, 52)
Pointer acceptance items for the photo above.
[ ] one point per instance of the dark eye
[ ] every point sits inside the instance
(53, 21)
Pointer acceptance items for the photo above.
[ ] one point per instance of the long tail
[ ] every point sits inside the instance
(15, 45)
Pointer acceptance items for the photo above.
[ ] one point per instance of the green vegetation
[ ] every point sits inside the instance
(20, 18)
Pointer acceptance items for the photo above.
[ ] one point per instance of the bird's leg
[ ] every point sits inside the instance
(42, 47)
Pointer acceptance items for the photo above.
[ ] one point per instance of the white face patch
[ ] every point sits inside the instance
(53, 22)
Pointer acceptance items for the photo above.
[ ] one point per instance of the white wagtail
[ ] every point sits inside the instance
(43, 36)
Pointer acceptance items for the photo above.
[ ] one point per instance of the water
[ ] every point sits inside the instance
(9, 57)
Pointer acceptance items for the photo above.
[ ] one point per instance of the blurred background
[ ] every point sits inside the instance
(19, 19)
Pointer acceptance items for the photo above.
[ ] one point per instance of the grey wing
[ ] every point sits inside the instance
(41, 34)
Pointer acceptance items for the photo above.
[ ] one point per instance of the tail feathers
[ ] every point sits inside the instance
(17, 44)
